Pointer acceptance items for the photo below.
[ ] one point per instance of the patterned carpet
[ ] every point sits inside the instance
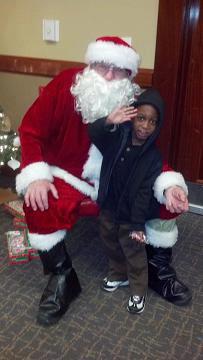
(97, 325)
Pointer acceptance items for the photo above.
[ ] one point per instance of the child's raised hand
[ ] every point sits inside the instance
(122, 114)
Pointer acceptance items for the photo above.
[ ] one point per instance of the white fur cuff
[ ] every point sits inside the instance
(92, 167)
(46, 242)
(161, 238)
(166, 180)
(32, 172)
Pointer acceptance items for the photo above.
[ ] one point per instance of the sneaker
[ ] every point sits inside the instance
(136, 304)
(110, 286)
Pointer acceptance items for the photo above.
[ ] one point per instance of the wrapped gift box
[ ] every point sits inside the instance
(19, 223)
(20, 250)
(17, 247)
(15, 208)
(33, 253)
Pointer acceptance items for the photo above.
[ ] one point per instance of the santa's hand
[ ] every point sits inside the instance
(37, 194)
(176, 200)
(138, 236)
(122, 114)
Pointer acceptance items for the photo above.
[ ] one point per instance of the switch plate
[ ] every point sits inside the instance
(51, 30)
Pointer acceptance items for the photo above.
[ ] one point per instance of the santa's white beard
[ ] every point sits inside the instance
(96, 97)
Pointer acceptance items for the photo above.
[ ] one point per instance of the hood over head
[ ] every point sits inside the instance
(152, 97)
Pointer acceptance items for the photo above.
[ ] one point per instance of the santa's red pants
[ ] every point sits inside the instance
(62, 213)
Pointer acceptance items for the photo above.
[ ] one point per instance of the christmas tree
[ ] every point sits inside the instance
(9, 144)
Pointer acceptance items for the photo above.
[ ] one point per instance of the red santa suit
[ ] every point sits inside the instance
(56, 146)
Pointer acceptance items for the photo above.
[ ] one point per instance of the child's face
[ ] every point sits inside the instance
(144, 123)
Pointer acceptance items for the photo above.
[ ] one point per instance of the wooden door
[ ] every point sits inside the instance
(178, 74)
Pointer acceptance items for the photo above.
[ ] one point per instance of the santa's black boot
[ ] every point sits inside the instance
(163, 278)
(62, 288)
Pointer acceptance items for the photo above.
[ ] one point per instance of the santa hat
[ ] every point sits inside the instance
(113, 50)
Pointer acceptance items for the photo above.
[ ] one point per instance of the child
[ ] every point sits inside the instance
(131, 163)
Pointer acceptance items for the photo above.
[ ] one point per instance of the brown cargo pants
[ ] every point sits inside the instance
(127, 257)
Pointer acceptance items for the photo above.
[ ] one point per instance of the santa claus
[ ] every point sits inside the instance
(60, 170)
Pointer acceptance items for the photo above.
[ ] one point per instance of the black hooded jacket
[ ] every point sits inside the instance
(136, 203)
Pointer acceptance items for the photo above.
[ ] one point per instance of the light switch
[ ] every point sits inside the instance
(51, 30)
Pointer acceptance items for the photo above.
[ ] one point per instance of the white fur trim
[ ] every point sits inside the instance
(77, 183)
(35, 171)
(164, 181)
(42, 170)
(92, 167)
(45, 242)
(161, 238)
(108, 52)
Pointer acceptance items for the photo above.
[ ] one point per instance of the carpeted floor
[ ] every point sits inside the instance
(97, 325)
